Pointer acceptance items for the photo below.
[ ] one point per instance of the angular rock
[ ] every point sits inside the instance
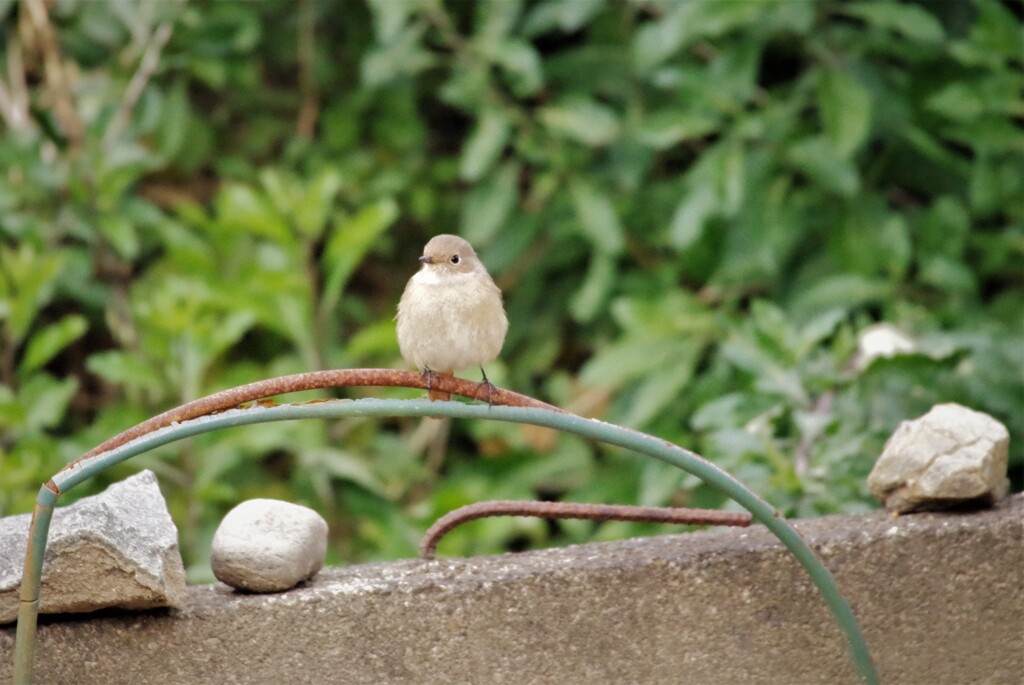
(951, 455)
(266, 545)
(115, 549)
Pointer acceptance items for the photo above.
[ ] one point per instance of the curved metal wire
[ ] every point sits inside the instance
(586, 511)
(587, 428)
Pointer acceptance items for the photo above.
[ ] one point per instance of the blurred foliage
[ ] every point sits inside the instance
(693, 208)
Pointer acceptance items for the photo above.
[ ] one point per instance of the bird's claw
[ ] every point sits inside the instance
(486, 382)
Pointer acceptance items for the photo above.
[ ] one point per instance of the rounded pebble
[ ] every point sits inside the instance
(266, 545)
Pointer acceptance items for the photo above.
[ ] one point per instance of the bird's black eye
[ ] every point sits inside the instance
(454, 259)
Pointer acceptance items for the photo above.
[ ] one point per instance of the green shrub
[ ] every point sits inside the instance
(693, 209)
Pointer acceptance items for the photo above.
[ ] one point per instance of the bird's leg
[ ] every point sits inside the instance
(490, 386)
(430, 376)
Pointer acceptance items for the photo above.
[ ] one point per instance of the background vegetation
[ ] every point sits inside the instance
(693, 208)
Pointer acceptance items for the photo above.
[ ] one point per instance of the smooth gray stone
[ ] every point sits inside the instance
(266, 545)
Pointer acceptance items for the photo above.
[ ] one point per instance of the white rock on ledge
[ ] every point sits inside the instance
(949, 456)
(115, 549)
(266, 545)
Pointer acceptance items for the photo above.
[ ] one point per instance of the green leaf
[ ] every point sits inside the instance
(317, 202)
(522, 64)
(373, 341)
(123, 368)
(772, 333)
(390, 17)
(495, 20)
(281, 189)
(695, 208)
(558, 14)
(983, 189)
(870, 222)
(818, 329)
(770, 376)
(587, 300)
(596, 217)
(731, 175)
(351, 240)
(403, 56)
(47, 343)
(45, 400)
(627, 359)
(958, 101)
(948, 275)
(665, 128)
(27, 281)
(910, 21)
(175, 120)
(674, 313)
(344, 465)
(488, 205)
(653, 395)
(12, 413)
(944, 228)
(230, 328)
(684, 22)
(845, 108)
(656, 41)
(484, 145)
(121, 234)
(819, 162)
(582, 120)
(997, 31)
(240, 207)
(842, 290)
(893, 241)
(730, 410)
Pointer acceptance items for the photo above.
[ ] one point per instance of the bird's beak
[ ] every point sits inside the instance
(427, 259)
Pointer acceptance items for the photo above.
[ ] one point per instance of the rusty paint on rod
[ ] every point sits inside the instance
(576, 510)
(317, 380)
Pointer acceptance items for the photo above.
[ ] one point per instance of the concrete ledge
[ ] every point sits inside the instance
(940, 597)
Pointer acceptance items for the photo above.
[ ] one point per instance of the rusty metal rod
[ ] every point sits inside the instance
(317, 380)
(576, 510)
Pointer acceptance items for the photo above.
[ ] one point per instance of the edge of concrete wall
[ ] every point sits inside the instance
(939, 596)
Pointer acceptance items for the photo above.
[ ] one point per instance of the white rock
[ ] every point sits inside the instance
(265, 545)
(951, 455)
(115, 549)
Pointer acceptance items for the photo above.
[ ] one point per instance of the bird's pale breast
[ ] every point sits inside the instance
(451, 321)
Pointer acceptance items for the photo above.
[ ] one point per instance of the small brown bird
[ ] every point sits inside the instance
(450, 316)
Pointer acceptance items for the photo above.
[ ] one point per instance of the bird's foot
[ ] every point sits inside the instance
(487, 384)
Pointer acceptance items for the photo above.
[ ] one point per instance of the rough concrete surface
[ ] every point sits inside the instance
(940, 597)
